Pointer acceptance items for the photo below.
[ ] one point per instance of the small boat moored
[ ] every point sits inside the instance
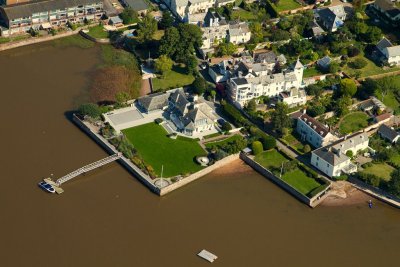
(47, 187)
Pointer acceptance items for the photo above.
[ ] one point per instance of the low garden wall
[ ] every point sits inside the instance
(312, 202)
(96, 40)
(138, 173)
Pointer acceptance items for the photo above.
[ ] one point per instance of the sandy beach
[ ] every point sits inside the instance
(343, 194)
(236, 167)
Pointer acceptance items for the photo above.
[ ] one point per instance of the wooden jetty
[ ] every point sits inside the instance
(208, 256)
(57, 184)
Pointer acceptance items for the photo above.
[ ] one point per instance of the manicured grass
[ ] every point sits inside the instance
(212, 135)
(395, 159)
(390, 101)
(370, 69)
(73, 40)
(98, 32)
(310, 72)
(353, 122)
(243, 15)
(294, 142)
(300, 181)
(223, 142)
(382, 170)
(177, 77)
(270, 159)
(284, 5)
(156, 149)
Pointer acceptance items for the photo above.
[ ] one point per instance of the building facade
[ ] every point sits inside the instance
(333, 161)
(18, 19)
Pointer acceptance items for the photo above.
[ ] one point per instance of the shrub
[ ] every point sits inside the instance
(158, 120)
(289, 166)
(268, 142)
(358, 63)
(349, 153)
(257, 147)
(342, 177)
(306, 148)
(317, 190)
(353, 51)
(233, 114)
(90, 109)
(226, 127)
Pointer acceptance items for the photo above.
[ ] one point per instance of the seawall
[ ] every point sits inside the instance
(312, 202)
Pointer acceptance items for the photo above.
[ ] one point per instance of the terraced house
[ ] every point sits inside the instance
(21, 18)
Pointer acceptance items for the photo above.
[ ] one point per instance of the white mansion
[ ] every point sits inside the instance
(253, 84)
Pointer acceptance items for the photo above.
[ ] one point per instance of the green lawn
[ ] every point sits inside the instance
(73, 40)
(395, 159)
(156, 149)
(270, 159)
(294, 142)
(284, 5)
(390, 101)
(353, 122)
(210, 145)
(98, 32)
(177, 77)
(13, 39)
(370, 69)
(243, 15)
(310, 72)
(300, 181)
(382, 170)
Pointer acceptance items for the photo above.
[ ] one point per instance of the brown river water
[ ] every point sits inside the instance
(108, 218)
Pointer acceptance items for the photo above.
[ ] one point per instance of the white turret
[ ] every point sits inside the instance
(298, 71)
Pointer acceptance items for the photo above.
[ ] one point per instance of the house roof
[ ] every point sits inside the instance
(298, 64)
(383, 117)
(267, 56)
(137, 5)
(388, 132)
(324, 62)
(29, 8)
(116, 20)
(154, 101)
(383, 43)
(240, 81)
(180, 101)
(393, 51)
(318, 127)
(384, 4)
(334, 154)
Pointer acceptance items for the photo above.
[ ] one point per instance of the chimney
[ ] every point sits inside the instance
(304, 111)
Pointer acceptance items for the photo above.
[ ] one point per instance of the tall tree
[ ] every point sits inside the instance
(146, 29)
(199, 85)
(169, 42)
(348, 87)
(129, 16)
(164, 64)
(280, 119)
(167, 20)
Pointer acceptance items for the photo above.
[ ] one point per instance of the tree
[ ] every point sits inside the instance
(167, 20)
(129, 16)
(316, 109)
(348, 87)
(314, 89)
(306, 148)
(358, 63)
(146, 29)
(353, 51)
(256, 32)
(349, 153)
(191, 65)
(226, 49)
(199, 85)
(257, 147)
(213, 93)
(226, 126)
(394, 183)
(342, 105)
(164, 64)
(268, 142)
(89, 109)
(169, 42)
(251, 105)
(333, 67)
(122, 97)
(373, 34)
(280, 118)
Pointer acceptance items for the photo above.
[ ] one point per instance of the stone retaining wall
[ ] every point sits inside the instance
(199, 174)
(138, 173)
(93, 39)
(313, 202)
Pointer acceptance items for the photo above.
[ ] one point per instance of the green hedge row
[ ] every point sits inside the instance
(271, 8)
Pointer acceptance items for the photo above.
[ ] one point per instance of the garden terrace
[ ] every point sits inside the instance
(157, 149)
(353, 122)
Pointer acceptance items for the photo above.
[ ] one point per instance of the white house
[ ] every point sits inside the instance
(183, 8)
(294, 97)
(332, 159)
(260, 82)
(314, 132)
(331, 18)
(391, 53)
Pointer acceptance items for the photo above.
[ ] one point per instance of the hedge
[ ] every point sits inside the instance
(317, 190)
(271, 8)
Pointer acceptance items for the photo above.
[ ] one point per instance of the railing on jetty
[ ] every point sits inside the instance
(87, 168)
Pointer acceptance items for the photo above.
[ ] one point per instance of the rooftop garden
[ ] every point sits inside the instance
(157, 149)
(353, 122)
